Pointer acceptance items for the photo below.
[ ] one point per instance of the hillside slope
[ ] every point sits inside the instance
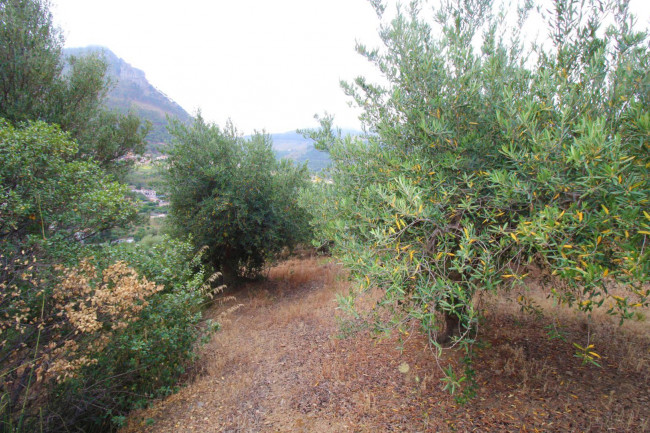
(132, 91)
(294, 146)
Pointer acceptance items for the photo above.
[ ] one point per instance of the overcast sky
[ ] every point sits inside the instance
(266, 64)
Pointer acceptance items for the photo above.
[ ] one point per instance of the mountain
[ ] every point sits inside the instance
(132, 91)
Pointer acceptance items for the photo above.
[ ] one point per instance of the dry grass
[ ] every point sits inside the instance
(278, 366)
(629, 343)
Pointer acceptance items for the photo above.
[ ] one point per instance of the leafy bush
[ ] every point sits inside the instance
(77, 347)
(81, 341)
(46, 192)
(232, 195)
(480, 162)
(105, 339)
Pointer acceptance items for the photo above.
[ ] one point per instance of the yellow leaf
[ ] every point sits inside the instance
(514, 236)
(606, 272)
(594, 354)
(605, 209)
(645, 232)
(567, 246)
(599, 240)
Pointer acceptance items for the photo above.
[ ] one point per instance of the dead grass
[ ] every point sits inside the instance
(278, 366)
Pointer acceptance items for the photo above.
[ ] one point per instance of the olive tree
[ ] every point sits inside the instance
(487, 154)
(232, 195)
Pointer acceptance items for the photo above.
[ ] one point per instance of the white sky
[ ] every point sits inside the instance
(266, 64)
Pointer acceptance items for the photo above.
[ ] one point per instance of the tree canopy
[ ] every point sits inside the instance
(80, 322)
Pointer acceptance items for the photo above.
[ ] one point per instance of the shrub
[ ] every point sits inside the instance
(232, 195)
(47, 193)
(105, 339)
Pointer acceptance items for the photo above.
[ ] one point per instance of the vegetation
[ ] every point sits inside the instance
(71, 338)
(146, 176)
(234, 196)
(87, 331)
(488, 158)
(36, 84)
(84, 344)
(50, 195)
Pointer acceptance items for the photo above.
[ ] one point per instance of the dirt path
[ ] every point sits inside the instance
(277, 366)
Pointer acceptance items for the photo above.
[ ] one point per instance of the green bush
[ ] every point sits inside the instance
(147, 358)
(481, 161)
(46, 192)
(49, 202)
(232, 195)
(110, 337)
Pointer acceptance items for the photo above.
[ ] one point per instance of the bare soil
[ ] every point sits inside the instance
(279, 365)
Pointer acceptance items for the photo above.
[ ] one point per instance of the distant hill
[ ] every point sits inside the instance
(294, 146)
(132, 91)
(300, 149)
